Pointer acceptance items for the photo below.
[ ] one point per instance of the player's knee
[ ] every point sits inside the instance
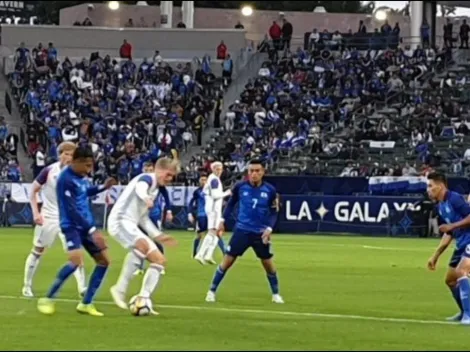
(156, 257)
(75, 257)
(38, 250)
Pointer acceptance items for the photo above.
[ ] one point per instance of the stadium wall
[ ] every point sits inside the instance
(365, 215)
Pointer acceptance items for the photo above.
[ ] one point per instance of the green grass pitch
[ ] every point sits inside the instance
(342, 293)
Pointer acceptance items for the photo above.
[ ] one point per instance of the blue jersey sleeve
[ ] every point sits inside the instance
(460, 205)
(166, 197)
(94, 190)
(232, 201)
(42, 177)
(274, 211)
(192, 206)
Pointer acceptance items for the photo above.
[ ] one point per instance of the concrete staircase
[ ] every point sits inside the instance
(15, 123)
(245, 72)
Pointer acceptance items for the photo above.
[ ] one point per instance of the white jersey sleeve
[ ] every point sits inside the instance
(47, 178)
(130, 206)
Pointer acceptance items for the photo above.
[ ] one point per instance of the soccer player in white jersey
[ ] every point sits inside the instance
(214, 198)
(47, 219)
(130, 212)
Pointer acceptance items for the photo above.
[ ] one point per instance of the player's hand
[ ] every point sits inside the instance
(169, 216)
(446, 228)
(150, 203)
(266, 236)
(38, 220)
(432, 263)
(221, 229)
(191, 218)
(110, 182)
(167, 240)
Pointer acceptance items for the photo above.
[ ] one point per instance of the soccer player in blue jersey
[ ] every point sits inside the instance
(258, 207)
(197, 206)
(78, 226)
(454, 211)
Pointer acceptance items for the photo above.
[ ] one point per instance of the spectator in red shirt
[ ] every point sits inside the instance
(126, 50)
(221, 51)
(275, 33)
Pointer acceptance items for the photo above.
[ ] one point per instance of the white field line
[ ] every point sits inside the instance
(270, 312)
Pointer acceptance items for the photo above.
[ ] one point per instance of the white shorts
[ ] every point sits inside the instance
(213, 220)
(45, 234)
(127, 233)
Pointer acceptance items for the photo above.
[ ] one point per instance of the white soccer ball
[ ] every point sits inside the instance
(140, 306)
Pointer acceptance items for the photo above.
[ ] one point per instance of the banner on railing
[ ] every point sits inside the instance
(180, 196)
(402, 184)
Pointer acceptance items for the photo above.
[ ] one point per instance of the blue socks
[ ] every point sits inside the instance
(95, 282)
(222, 245)
(196, 243)
(464, 288)
(62, 276)
(218, 277)
(273, 283)
(456, 294)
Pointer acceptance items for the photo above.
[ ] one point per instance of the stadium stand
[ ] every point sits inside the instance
(139, 108)
(335, 110)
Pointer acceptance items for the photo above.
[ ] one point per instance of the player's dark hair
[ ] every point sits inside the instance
(256, 162)
(148, 163)
(202, 174)
(438, 177)
(83, 153)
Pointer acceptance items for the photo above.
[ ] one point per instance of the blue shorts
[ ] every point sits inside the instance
(76, 239)
(242, 240)
(459, 253)
(201, 224)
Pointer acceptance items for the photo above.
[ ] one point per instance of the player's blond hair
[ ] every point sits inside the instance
(168, 164)
(66, 147)
(215, 165)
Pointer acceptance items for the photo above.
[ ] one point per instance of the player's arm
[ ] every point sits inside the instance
(142, 190)
(94, 190)
(192, 207)
(154, 233)
(463, 209)
(232, 202)
(216, 191)
(273, 214)
(40, 180)
(446, 240)
(166, 198)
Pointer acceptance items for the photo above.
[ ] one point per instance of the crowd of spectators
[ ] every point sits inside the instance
(319, 110)
(9, 167)
(128, 113)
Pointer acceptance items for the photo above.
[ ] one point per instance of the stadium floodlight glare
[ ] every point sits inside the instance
(247, 11)
(381, 15)
(113, 5)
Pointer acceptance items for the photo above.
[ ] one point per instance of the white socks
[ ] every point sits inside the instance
(150, 281)
(81, 278)
(132, 262)
(30, 267)
(208, 246)
(32, 263)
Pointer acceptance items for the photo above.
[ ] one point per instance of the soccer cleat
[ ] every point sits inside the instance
(277, 299)
(27, 292)
(163, 272)
(118, 298)
(139, 272)
(200, 259)
(88, 309)
(210, 297)
(465, 320)
(456, 317)
(46, 306)
(210, 261)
